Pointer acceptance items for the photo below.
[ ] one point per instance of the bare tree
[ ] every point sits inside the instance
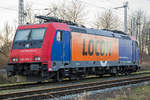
(58, 11)
(107, 20)
(146, 38)
(5, 42)
(130, 26)
(140, 24)
(29, 14)
(142, 31)
(74, 12)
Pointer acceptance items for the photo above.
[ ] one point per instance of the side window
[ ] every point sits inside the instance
(59, 36)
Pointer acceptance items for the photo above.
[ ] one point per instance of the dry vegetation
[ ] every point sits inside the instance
(139, 93)
(107, 20)
(5, 43)
(146, 62)
(133, 93)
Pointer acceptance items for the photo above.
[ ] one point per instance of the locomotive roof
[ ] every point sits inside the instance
(75, 28)
(103, 32)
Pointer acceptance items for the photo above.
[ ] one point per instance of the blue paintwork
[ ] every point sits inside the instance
(125, 50)
(57, 50)
(66, 45)
(133, 51)
(137, 55)
(61, 49)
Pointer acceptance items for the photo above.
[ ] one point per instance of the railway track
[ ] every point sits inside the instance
(28, 85)
(71, 89)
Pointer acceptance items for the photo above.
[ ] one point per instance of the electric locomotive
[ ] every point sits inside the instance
(61, 49)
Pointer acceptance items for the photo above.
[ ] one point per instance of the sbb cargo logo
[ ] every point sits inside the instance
(87, 47)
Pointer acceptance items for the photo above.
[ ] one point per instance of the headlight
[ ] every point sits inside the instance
(37, 58)
(14, 59)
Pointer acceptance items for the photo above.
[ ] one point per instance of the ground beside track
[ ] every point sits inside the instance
(59, 84)
(139, 91)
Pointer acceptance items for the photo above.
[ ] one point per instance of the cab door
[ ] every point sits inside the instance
(133, 51)
(66, 47)
(61, 47)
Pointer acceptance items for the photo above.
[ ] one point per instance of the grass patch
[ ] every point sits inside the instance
(141, 71)
(11, 81)
(139, 93)
(2, 80)
(16, 83)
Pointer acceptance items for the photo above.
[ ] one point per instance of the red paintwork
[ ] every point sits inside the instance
(27, 55)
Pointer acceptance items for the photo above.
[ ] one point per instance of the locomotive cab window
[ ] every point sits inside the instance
(59, 36)
(29, 38)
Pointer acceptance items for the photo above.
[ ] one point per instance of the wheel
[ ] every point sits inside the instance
(113, 74)
(100, 75)
(39, 82)
(59, 76)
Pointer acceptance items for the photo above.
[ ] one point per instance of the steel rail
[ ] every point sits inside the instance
(28, 85)
(71, 89)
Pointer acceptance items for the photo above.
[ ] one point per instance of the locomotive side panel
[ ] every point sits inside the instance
(86, 47)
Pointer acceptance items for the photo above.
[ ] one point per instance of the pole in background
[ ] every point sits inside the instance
(134, 27)
(21, 12)
(125, 6)
(125, 17)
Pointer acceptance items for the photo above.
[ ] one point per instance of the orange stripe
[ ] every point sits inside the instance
(87, 47)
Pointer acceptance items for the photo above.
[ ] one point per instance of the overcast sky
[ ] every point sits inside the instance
(9, 13)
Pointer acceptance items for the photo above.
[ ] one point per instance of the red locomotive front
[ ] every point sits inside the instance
(30, 52)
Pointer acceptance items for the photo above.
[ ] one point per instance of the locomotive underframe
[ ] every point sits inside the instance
(41, 71)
